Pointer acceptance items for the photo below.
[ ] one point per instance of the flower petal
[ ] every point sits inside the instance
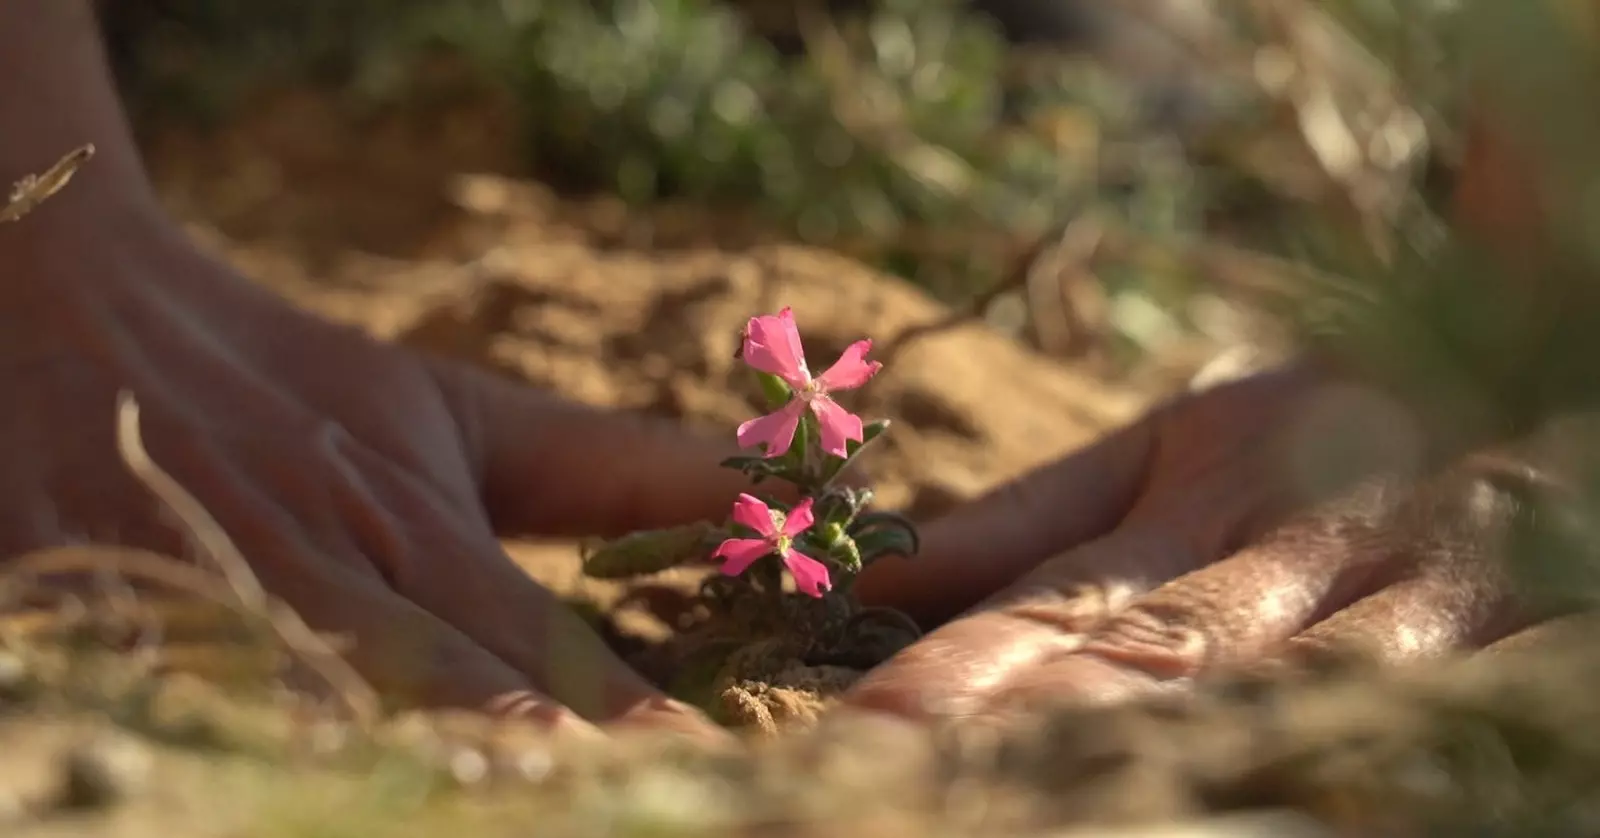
(835, 425)
(772, 345)
(852, 369)
(750, 511)
(739, 553)
(776, 429)
(800, 519)
(810, 575)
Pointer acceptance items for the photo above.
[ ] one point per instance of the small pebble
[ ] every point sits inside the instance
(532, 764)
(671, 800)
(468, 766)
(103, 772)
(16, 681)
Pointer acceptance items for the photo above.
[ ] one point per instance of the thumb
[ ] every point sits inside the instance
(985, 545)
(552, 467)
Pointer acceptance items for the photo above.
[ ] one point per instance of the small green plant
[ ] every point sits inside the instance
(822, 540)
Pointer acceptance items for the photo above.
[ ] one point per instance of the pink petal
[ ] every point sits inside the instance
(852, 369)
(835, 425)
(799, 520)
(810, 575)
(740, 553)
(750, 511)
(772, 345)
(775, 429)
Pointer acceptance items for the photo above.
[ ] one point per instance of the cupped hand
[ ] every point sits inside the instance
(364, 483)
(1275, 515)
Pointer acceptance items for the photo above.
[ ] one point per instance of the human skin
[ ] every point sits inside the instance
(1192, 542)
(366, 483)
(1186, 541)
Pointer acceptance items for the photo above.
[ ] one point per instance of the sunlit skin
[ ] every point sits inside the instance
(370, 482)
(1189, 543)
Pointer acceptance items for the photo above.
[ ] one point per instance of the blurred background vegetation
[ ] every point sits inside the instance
(930, 138)
(1105, 181)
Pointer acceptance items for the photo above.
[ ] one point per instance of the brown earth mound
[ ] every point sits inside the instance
(382, 234)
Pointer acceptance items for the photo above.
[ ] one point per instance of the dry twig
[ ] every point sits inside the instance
(33, 190)
(1072, 249)
(246, 591)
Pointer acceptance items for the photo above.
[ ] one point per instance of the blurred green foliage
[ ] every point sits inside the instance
(902, 134)
(911, 135)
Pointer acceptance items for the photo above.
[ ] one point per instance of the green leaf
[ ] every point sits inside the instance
(887, 541)
(649, 551)
(840, 506)
(847, 554)
(881, 533)
(758, 468)
(878, 520)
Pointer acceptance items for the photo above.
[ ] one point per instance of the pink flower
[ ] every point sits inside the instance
(772, 345)
(777, 536)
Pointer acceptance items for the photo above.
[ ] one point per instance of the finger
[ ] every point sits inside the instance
(1565, 633)
(1240, 608)
(1050, 611)
(990, 542)
(955, 670)
(1399, 580)
(1215, 445)
(405, 652)
(1222, 612)
(457, 570)
(1443, 610)
(552, 467)
(1138, 611)
(1458, 595)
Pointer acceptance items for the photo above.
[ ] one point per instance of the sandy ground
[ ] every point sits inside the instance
(412, 235)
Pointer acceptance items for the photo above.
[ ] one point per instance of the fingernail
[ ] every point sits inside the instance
(668, 715)
(561, 723)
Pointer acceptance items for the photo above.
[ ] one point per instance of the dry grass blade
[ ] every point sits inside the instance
(1344, 136)
(358, 696)
(213, 541)
(1073, 248)
(33, 190)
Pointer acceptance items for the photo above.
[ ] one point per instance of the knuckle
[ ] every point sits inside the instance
(1164, 639)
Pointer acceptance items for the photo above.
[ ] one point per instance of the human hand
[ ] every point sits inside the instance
(1203, 538)
(1275, 515)
(364, 483)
